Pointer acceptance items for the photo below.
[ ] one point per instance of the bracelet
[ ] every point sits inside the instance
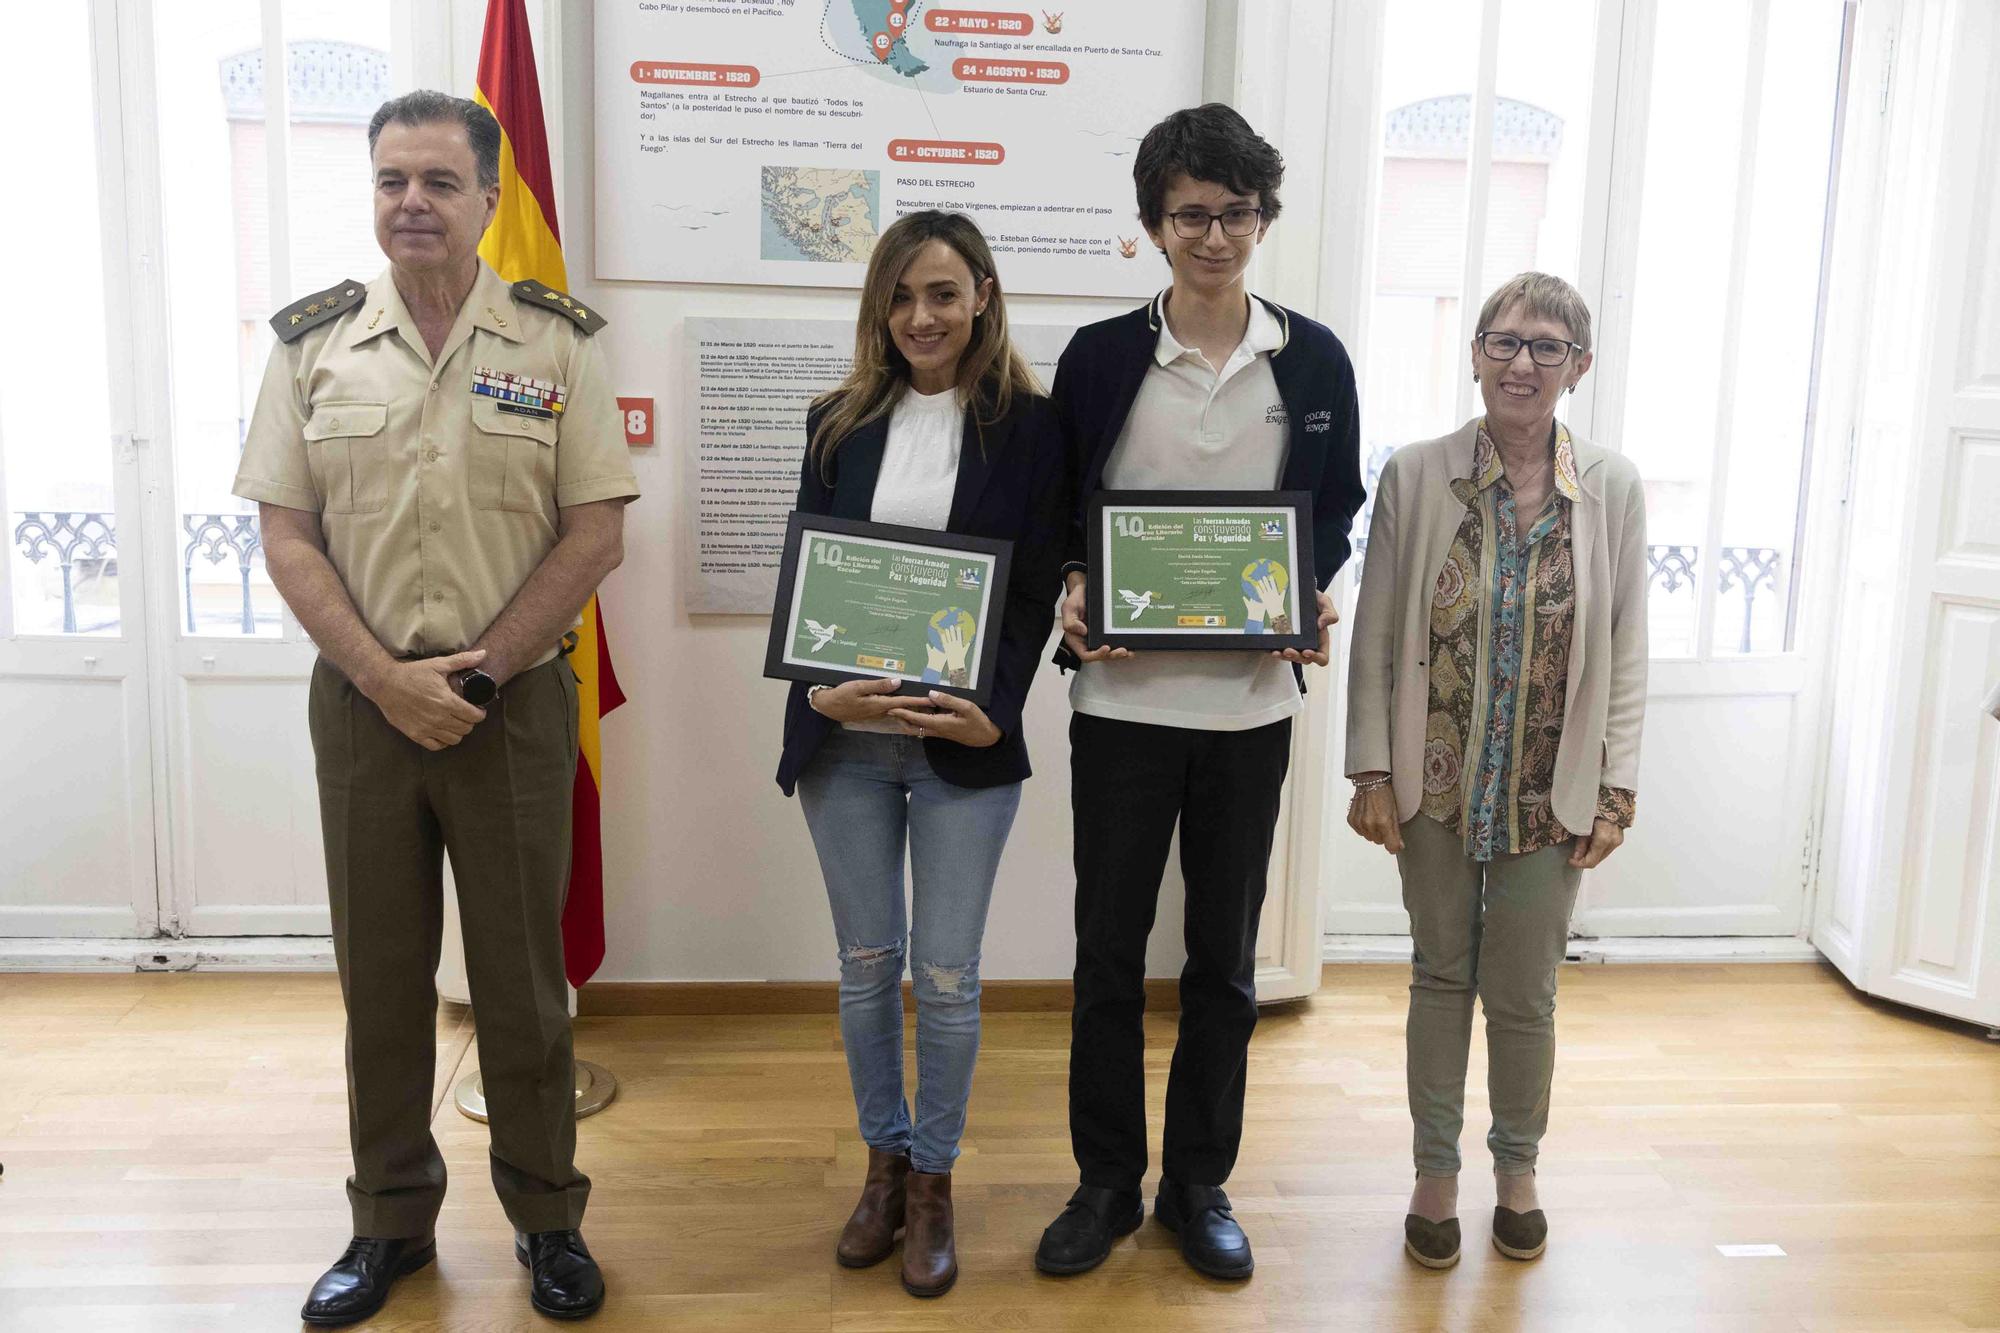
(1364, 784)
(811, 690)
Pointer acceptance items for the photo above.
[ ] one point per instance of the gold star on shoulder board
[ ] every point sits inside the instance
(568, 304)
(332, 301)
(297, 318)
(553, 296)
(582, 313)
(312, 308)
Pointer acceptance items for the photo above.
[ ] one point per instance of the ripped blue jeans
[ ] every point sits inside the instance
(867, 796)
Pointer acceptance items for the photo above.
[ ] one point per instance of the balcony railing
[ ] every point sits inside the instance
(216, 537)
(82, 542)
(85, 546)
(1749, 571)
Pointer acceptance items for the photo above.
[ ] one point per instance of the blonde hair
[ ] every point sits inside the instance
(1542, 294)
(990, 372)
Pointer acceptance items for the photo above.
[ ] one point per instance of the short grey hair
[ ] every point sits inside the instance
(1542, 294)
(426, 107)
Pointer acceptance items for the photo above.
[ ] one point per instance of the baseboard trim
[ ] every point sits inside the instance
(1603, 949)
(603, 999)
(250, 953)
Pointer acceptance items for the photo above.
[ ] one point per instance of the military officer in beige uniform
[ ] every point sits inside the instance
(441, 473)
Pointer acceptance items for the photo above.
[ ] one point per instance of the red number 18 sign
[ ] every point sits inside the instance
(638, 414)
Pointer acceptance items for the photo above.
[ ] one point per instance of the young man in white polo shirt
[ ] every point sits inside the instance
(1203, 388)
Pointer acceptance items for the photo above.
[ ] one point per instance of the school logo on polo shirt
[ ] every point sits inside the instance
(1276, 415)
(1317, 422)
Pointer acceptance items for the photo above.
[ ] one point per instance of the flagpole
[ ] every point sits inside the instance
(523, 242)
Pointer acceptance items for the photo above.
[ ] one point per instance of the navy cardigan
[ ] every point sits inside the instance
(1098, 379)
(1012, 484)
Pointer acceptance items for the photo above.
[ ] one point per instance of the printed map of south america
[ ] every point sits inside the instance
(873, 16)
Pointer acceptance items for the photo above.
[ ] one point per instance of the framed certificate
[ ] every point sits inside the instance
(915, 605)
(1201, 569)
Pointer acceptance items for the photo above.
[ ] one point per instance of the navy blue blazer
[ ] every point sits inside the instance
(1098, 379)
(1012, 484)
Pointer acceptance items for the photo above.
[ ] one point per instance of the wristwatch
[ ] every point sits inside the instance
(477, 688)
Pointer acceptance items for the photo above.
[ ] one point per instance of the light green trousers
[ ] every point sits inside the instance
(1499, 929)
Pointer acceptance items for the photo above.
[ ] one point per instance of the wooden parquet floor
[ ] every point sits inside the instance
(174, 1148)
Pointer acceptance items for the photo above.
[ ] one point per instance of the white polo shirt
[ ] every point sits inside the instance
(1194, 429)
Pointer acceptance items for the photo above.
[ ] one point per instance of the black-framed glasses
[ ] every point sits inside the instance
(1543, 351)
(1191, 224)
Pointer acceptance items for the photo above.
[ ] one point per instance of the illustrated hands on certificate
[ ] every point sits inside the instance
(933, 663)
(1074, 631)
(1329, 616)
(1275, 613)
(953, 637)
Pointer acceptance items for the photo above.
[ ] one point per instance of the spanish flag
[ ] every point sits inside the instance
(523, 243)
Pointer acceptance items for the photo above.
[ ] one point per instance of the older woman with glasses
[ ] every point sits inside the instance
(1497, 685)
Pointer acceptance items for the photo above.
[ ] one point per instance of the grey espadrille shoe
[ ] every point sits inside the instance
(1432, 1244)
(1520, 1235)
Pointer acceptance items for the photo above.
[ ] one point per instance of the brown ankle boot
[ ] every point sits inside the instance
(870, 1234)
(930, 1258)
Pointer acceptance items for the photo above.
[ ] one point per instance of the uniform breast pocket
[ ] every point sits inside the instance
(349, 457)
(513, 460)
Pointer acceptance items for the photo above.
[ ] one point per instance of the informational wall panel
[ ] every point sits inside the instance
(749, 384)
(771, 141)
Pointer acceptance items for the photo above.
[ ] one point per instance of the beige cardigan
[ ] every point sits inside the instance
(1388, 674)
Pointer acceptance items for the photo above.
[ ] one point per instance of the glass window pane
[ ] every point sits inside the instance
(1679, 294)
(1774, 345)
(221, 288)
(55, 421)
(1541, 140)
(1413, 359)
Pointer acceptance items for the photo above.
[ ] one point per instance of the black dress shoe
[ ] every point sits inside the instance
(1079, 1240)
(1211, 1241)
(359, 1282)
(567, 1284)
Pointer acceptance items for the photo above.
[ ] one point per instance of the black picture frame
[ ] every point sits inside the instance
(1103, 629)
(799, 524)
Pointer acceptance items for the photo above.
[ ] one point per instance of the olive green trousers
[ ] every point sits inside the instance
(1496, 929)
(498, 803)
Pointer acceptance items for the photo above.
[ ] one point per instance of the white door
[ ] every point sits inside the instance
(268, 196)
(77, 828)
(1910, 899)
(1686, 197)
(149, 666)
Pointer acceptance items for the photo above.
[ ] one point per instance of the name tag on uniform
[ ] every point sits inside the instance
(519, 394)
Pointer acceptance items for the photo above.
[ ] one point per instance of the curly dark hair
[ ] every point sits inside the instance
(1206, 143)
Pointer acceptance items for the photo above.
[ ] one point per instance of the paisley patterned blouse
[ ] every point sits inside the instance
(1501, 618)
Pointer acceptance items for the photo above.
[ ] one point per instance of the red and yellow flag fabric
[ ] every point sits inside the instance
(523, 243)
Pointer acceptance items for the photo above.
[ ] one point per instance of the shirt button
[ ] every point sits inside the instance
(430, 455)
(437, 596)
(436, 526)
(434, 386)
(333, 423)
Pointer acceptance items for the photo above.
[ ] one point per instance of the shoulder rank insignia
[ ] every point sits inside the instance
(562, 303)
(309, 312)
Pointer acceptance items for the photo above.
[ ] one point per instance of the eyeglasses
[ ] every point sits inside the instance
(1191, 224)
(1544, 351)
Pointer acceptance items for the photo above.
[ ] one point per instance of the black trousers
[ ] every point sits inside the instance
(1130, 783)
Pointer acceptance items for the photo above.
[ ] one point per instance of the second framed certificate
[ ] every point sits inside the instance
(1201, 569)
(916, 605)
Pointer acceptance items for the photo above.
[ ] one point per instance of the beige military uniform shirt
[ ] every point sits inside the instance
(437, 483)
